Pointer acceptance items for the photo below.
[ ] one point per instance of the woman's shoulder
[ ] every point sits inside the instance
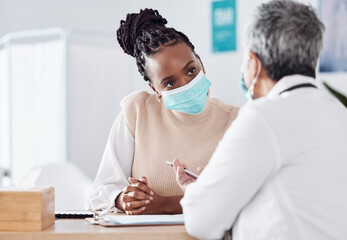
(135, 99)
(222, 106)
(132, 104)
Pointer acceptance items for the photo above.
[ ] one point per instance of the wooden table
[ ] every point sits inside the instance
(78, 229)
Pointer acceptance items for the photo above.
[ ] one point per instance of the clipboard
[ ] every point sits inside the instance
(119, 220)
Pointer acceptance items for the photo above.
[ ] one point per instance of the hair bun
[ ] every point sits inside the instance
(135, 25)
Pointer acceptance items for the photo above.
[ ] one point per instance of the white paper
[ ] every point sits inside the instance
(144, 219)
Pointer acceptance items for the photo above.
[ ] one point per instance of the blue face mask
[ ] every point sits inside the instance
(190, 98)
(249, 92)
(244, 88)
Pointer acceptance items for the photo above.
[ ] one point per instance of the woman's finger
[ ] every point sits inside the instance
(126, 198)
(135, 212)
(132, 180)
(134, 205)
(144, 180)
(140, 195)
(143, 187)
(139, 186)
(135, 180)
(129, 189)
(134, 196)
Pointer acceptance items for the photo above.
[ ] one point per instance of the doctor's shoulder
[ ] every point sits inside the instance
(260, 106)
(270, 110)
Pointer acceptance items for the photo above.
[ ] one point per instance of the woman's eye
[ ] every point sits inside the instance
(169, 84)
(191, 71)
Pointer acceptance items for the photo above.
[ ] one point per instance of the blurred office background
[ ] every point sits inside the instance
(63, 74)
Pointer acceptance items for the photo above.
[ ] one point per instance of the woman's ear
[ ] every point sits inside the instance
(203, 68)
(153, 88)
(155, 91)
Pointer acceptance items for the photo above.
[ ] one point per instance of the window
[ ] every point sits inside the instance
(33, 100)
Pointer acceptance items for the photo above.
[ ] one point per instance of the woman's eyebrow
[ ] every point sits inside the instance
(170, 77)
(187, 65)
(166, 78)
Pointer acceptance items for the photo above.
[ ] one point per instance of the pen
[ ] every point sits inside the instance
(194, 175)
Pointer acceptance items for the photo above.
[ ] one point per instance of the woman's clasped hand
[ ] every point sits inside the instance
(139, 198)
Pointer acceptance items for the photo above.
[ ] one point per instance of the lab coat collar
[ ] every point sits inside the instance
(289, 81)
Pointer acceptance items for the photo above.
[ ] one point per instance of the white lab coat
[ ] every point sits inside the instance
(280, 171)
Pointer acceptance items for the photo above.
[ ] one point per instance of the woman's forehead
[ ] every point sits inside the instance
(169, 61)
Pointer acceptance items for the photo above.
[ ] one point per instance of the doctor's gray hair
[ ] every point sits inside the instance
(287, 38)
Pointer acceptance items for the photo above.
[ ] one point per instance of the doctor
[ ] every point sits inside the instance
(280, 171)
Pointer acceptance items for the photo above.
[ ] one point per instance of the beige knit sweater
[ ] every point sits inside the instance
(162, 135)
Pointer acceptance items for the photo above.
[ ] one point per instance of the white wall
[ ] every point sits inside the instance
(97, 75)
(189, 16)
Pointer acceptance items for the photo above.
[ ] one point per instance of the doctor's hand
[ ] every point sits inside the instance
(135, 197)
(182, 178)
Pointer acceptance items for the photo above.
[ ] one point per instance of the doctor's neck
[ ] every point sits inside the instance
(263, 85)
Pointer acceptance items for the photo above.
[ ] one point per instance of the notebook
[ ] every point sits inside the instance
(141, 220)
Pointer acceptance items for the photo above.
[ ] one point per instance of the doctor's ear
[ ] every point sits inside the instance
(155, 91)
(254, 63)
(203, 68)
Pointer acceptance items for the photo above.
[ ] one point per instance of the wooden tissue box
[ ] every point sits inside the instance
(26, 210)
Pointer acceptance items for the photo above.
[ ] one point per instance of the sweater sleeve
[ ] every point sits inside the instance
(115, 166)
(246, 156)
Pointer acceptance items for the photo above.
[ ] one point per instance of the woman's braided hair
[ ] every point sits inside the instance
(144, 34)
